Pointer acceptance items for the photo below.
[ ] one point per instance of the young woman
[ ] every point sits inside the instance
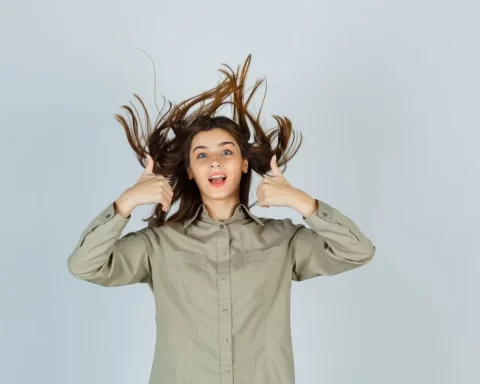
(220, 276)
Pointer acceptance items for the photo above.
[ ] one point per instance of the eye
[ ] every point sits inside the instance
(203, 153)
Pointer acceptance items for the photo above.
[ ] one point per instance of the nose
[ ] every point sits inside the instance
(215, 163)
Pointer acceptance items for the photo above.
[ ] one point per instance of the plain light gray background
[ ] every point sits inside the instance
(386, 94)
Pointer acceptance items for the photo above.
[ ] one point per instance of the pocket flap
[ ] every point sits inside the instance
(275, 252)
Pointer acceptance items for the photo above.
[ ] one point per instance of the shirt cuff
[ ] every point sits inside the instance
(107, 215)
(325, 212)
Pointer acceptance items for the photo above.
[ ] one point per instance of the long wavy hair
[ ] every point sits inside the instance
(169, 141)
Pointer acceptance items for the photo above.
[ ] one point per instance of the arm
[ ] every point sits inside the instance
(102, 257)
(333, 244)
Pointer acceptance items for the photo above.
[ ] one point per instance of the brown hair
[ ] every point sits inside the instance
(198, 113)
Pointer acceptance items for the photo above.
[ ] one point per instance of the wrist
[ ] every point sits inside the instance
(304, 204)
(124, 205)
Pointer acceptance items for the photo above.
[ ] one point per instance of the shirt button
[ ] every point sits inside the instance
(108, 215)
(223, 252)
(224, 278)
(227, 370)
(325, 214)
(221, 226)
(225, 341)
(225, 309)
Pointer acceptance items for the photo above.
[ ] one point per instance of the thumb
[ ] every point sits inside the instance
(274, 166)
(149, 166)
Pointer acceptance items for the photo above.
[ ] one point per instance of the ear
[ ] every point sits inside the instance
(245, 166)
(189, 173)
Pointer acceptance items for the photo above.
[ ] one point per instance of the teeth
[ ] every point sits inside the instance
(217, 177)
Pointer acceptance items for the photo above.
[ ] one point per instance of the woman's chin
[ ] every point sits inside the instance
(218, 192)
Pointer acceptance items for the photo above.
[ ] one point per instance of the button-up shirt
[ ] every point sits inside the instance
(221, 288)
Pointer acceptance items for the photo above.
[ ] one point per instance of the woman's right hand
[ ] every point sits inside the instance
(149, 189)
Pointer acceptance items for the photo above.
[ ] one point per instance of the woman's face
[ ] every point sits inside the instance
(216, 152)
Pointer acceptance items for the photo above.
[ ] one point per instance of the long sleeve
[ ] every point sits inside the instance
(102, 257)
(333, 244)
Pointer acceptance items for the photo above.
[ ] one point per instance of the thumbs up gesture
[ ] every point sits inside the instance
(275, 190)
(149, 189)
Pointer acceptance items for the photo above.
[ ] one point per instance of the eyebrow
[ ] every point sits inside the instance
(219, 145)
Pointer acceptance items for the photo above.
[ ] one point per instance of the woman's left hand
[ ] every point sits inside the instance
(275, 190)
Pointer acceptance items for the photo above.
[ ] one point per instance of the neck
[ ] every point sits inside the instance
(221, 209)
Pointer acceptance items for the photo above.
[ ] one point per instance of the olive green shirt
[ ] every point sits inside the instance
(221, 288)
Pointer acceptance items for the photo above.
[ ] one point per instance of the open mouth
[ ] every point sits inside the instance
(217, 180)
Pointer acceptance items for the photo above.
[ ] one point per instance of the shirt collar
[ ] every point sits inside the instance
(241, 212)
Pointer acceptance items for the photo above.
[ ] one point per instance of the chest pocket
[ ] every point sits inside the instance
(186, 271)
(263, 268)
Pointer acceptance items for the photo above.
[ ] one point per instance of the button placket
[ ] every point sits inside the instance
(224, 306)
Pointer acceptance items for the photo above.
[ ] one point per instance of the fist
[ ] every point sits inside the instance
(151, 188)
(275, 190)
